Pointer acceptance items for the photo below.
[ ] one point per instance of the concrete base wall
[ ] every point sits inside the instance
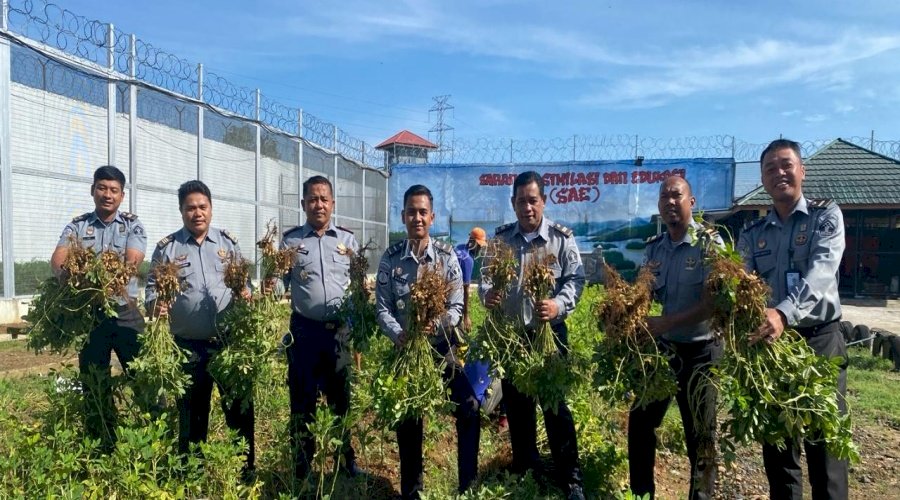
(12, 310)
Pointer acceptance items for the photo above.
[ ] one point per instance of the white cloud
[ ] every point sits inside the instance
(791, 112)
(816, 118)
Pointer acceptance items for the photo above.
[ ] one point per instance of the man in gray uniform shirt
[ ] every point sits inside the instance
(106, 229)
(531, 236)
(397, 271)
(317, 357)
(201, 252)
(677, 259)
(797, 249)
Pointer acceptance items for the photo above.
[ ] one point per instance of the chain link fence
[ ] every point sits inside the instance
(76, 94)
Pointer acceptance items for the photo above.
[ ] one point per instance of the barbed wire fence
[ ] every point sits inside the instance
(620, 146)
(77, 93)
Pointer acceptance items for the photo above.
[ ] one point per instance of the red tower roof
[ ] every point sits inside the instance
(407, 138)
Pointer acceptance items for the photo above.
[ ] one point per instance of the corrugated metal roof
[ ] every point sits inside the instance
(846, 173)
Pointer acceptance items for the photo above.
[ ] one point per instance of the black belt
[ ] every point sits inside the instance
(302, 322)
(820, 329)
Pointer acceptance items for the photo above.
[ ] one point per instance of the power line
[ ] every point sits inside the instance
(441, 105)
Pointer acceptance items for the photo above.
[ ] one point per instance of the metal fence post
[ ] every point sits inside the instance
(111, 97)
(200, 110)
(132, 124)
(334, 142)
(364, 207)
(6, 205)
(256, 173)
(300, 159)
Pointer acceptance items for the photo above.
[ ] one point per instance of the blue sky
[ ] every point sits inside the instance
(805, 69)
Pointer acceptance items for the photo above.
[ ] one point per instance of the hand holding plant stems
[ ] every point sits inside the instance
(773, 392)
(410, 385)
(157, 370)
(629, 363)
(63, 314)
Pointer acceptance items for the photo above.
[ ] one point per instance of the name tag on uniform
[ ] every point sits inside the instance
(791, 281)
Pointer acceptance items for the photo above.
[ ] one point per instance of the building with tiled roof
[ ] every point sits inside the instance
(866, 185)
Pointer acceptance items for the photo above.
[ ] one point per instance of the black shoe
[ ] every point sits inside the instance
(248, 475)
(575, 492)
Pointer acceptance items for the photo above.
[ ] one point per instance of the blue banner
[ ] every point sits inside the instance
(606, 203)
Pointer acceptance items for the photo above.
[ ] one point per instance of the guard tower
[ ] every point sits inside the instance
(405, 147)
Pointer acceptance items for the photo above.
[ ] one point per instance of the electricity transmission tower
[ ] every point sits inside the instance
(440, 131)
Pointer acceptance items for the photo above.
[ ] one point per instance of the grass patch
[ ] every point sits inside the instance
(872, 389)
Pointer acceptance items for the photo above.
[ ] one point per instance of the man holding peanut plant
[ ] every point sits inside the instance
(401, 266)
(533, 235)
(318, 280)
(797, 249)
(106, 228)
(676, 259)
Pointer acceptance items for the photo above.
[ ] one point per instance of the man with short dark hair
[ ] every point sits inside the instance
(677, 259)
(397, 271)
(531, 236)
(202, 253)
(797, 249)
(106, 228)
(317, 356)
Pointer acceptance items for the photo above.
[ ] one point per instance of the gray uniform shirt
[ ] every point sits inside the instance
(809, 242)
(202, 274)
(321, 271)
(399, 269)
(124, 232)
(679, 269)
(568, 270)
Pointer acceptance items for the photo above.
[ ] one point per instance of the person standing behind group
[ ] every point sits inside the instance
(797, 249)
(397, 272)
(677, 259)
(106, 229)
(202, 253)
(470, 254)
(532, 235)
(317, 356)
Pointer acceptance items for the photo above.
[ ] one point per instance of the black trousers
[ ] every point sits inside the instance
(96, 377)
(312, 370)
(468, 435)
(194, 406)
(828, 476)
(522, 420)
(691, 362)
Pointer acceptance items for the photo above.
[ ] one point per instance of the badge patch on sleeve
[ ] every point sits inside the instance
(828, 226)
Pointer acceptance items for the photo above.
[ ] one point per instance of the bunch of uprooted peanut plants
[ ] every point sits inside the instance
(157, 371)
(358, 307)
(775, 392)
(409, 385)
(67, 309)
(251, 329)
(630, 365)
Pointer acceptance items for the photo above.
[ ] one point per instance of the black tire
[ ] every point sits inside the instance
(895, 341)
(876, 344)
(847, 331)
(860, 332)
(887, 347)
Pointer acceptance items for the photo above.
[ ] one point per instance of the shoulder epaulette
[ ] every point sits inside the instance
(562, 229)
(230, 236)
(344, 229)
(130, 217)
(442, 246)
(81, 217)
(654, 238)
(396, 247)
(292, 228)
(821, 203)
(504, 227)
(165, 241)
(750, 224)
